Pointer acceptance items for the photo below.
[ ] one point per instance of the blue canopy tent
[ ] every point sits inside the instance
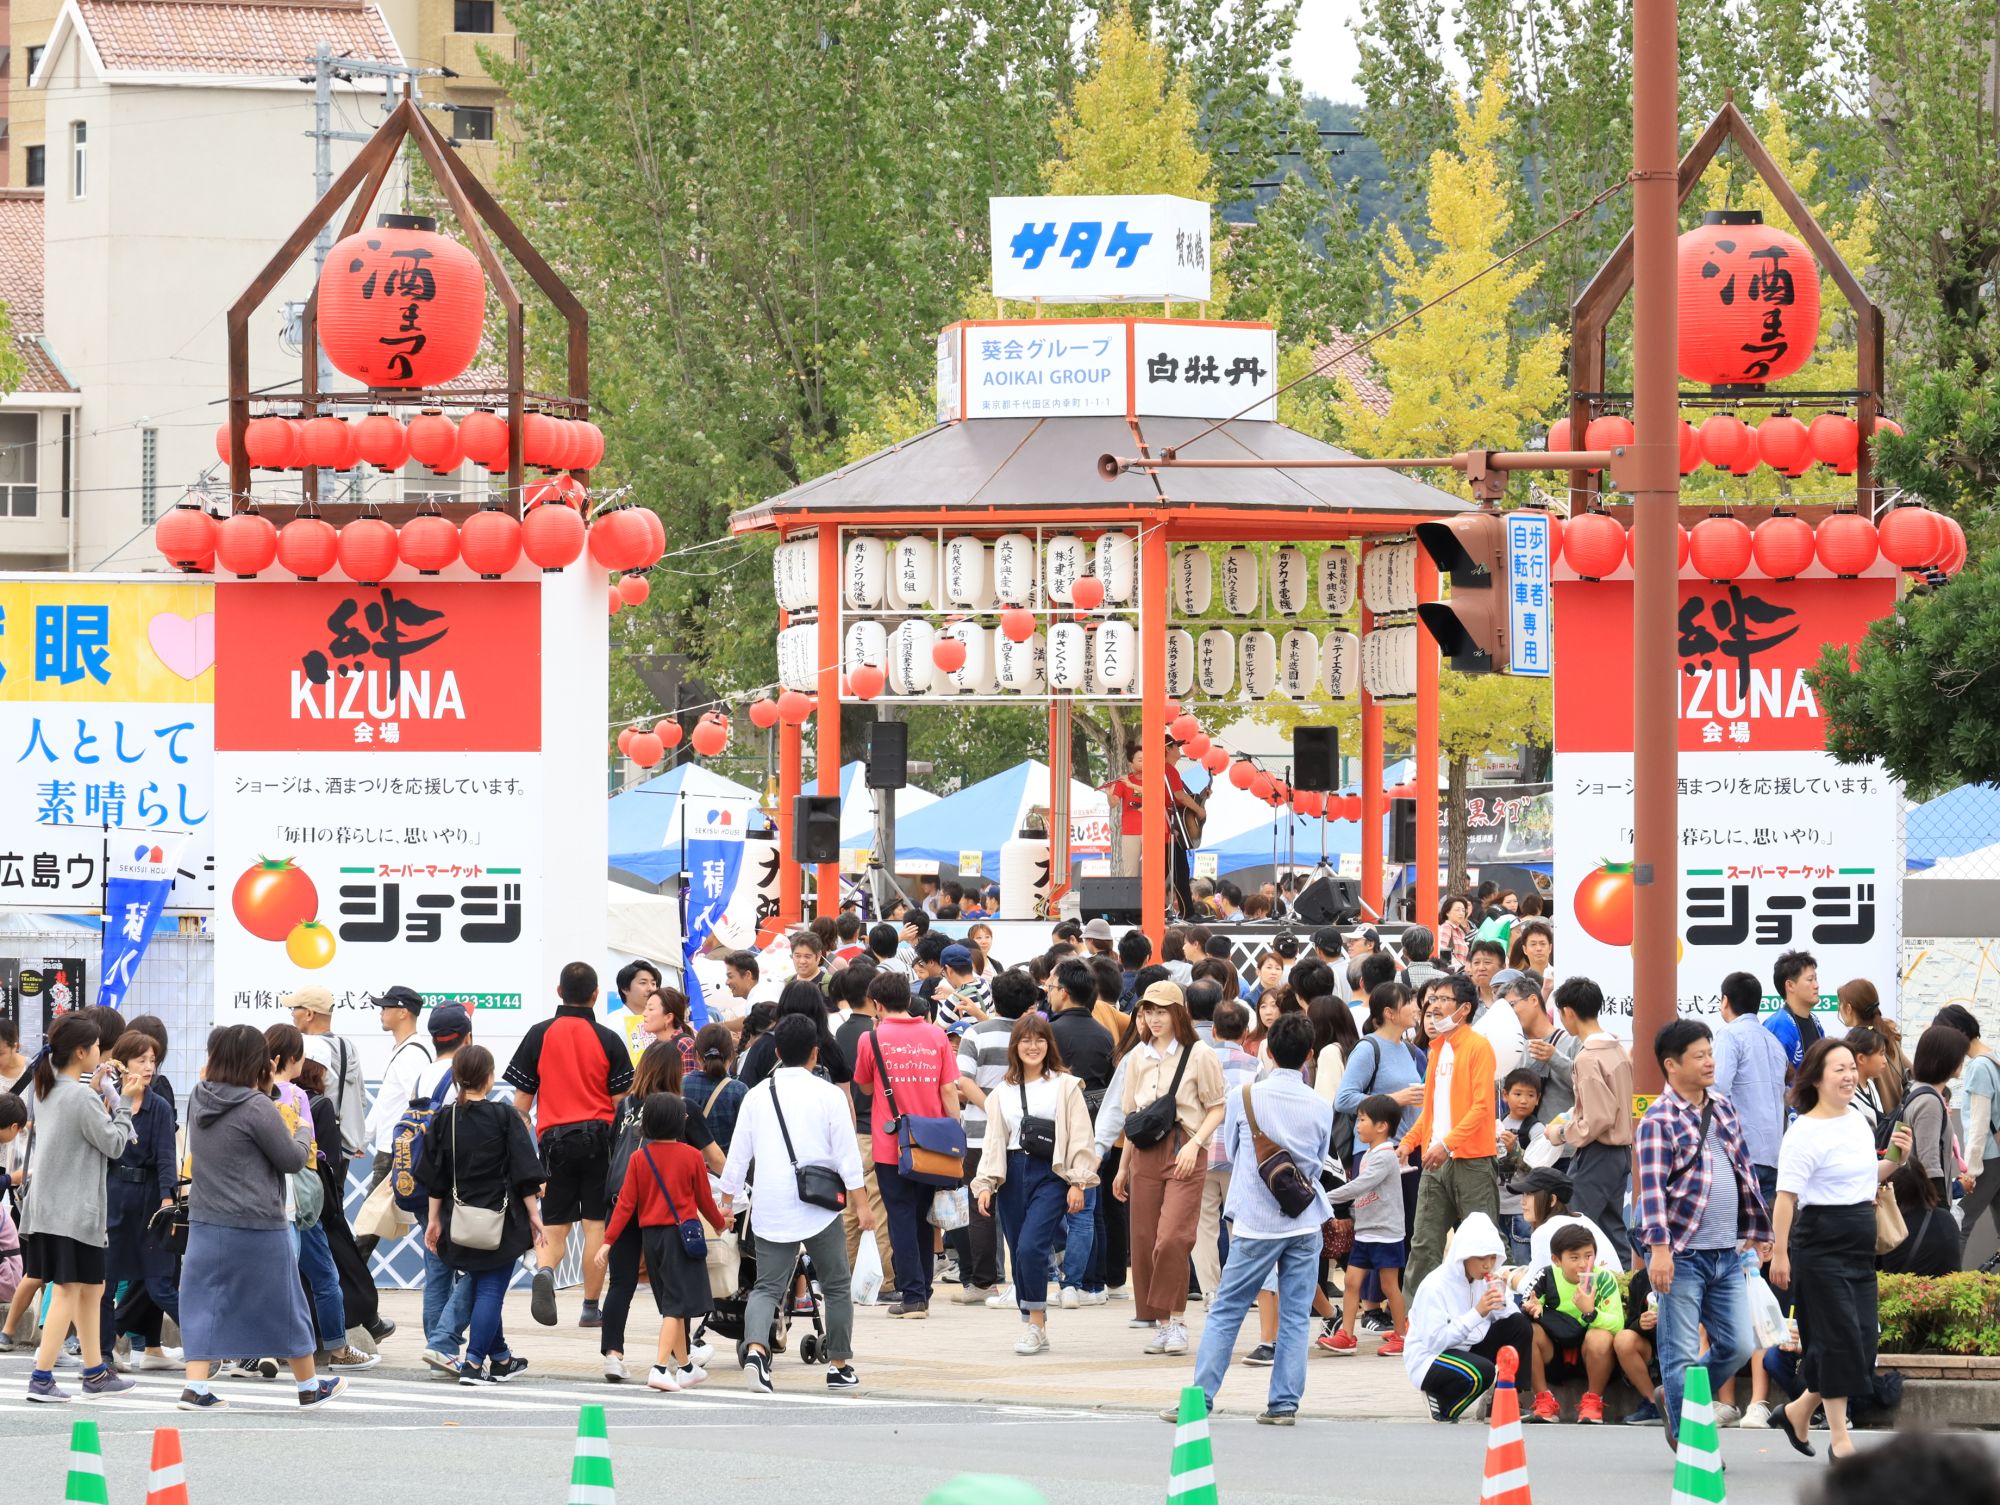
(1962, 820)
(645, 825)
(984, 815)
(857, 804)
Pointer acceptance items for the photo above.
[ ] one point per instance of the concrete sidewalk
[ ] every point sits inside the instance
(963, 1353)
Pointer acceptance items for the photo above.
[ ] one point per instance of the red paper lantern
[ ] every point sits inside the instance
(367, 550)
(711, 734)
(222, 444)
(552, 537)
(1911, 537)
(540, 494)
(866, 681)
(541, 441)
(573, 492)
(1215, 760)
(647, 748)
(1173, 708)
(271, 443)
(1887, 426)
(1953, 558)
(484, 437)
(1017, 623)
(593, 446)
(1746, 462)
(184, 536)
(656, 538)
(618, 539)
(1183, 727)
(1312, 806)
(670, 734)
(1086, 593)
(1242, 775)
(635, 589)
(1720, 549)
(1846, 544)
(246, 544)
(1784, 445)
(327, 442)
(1782, 546)
(1680, 545)
(400, 305)
(948, 654)
(1607, 431)
(489, 542)
(794, 706)
(625, 739)
(614, 603)
(1559, 440)
(1836, 442)
(1690, 449)
(428, 543)
(381, 441)
(1594, 545)
(1555, 536)
(1196, 747)
(1725, 440)
(435, 443)
(1749, 301)
(308, 547)
(763, 713)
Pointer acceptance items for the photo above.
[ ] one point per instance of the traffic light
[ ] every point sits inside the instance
(1470, 628)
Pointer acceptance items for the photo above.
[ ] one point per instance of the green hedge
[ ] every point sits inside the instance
(1956, 1314)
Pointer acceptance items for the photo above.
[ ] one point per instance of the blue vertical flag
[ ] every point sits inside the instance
(712, 849)
(136, 883)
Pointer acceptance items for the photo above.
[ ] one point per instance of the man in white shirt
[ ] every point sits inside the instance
(408, 1056)
(794, 1120)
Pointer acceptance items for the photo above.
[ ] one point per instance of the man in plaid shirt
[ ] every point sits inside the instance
(1699, 1208)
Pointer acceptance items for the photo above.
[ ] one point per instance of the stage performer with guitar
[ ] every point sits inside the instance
(1186, 813)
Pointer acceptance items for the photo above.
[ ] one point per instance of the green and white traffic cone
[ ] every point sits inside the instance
(86, 1467)
(1698, 1459)
(1191, 1475)
(590, 1472)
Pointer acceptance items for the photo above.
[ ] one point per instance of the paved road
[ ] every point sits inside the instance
(735, 1447)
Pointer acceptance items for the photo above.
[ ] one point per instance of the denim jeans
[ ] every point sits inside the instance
(1031, 1206)
(489, 1290)
(1250, 1263)
(323, 1282)
(1767, 1183)
(1708, 1291)
(1080, 1271)
(447, 1306)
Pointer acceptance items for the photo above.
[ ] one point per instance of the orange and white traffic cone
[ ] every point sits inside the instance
(1506, 1481)
(166, 1480)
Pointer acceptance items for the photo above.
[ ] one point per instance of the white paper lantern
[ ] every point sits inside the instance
(1389, 662)
(912, 573)
(975, 675)
(1215, 662)
(1068, 558)
(1239, 582)
(1091, 685)
(967, 580)
(1014, 568)
(1389, 578)
(1403, 658)
(1117, 657)
(1336, 581)
(1257, 663)
(865, 642)
(1117, 566)
(1340, 665)
(1194, 582)
(1024, 877)
(865, 575)
(795, 667)
(782, 586)
(1291, 580)
(1019, 665)
(1298, 663)
(910, 668)
(1069, 657)
(1180, 662)
(1040, 645)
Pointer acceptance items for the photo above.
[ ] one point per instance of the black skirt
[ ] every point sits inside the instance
(61, 1261)
(680, 1284)
(1833, 1286)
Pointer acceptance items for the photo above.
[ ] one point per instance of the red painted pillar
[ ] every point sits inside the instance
(826, 721)
(1372, 804)
(1428, 666)
(1152, 717)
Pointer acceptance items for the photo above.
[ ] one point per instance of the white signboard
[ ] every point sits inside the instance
(1530, 624)
(949, 394)
(1136, 248)
(1205, 370)
(1044, 368)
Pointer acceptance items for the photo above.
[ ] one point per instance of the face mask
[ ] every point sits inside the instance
(1436, 1025)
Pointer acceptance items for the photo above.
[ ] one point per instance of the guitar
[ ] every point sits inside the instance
(1193, 814)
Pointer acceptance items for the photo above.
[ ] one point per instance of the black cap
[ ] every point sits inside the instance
(399, 997)
(1542, 1178)
(450, 1021)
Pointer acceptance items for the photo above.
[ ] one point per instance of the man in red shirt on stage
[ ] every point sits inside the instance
(1184, 817)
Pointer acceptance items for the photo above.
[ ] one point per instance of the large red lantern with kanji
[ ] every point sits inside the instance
(401, 305)
(1749, 301)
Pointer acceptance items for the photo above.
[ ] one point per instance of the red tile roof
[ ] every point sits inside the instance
(1338, 357)
(264, 39)
(21, 286)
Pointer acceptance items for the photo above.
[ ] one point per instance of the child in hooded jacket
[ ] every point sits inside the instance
(1460, 1322)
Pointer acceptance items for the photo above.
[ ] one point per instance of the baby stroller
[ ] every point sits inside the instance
(727, 1313)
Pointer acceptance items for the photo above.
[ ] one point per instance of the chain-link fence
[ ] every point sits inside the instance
(1951, 906)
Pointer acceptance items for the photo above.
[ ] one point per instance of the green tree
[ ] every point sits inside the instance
(12, 367)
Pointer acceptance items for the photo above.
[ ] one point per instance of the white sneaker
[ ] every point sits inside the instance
(1119, 1294)
(1092, 1298)
(1035, 1340)
(1756, 1417)
(1001, 1299)
(659, 1377)
(614, 1369)
(1142, 1324)
(1159, 1343)
(166, 1358)
(1072, 1298)
(1726, 1415)
(699, 1354)
(1174, 1338)
(691, 1375)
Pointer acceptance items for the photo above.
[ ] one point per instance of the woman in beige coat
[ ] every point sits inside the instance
(1040, 1152)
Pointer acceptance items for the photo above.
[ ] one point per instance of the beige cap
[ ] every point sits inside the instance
(312, 996)
(1166, 994)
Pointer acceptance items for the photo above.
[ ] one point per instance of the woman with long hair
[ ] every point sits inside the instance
(1861, 1008)
(1871, 1059)
(1162, 1181)
(1040, 1153)
(1334, 1040)
(83, 1122)
(1824, 1229)
(143, 1181)
(1941, 1051)
(666, 1018)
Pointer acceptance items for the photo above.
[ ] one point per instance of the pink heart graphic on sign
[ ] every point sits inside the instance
(185, 646)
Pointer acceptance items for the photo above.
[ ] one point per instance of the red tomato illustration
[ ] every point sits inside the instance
(272, 898)
(1603, 904)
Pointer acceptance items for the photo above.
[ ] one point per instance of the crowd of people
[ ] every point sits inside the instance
(1432, 1155)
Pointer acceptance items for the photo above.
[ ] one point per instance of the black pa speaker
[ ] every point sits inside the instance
(816, 828)
(1402, 830)
(1316, 759)
(1115, 900)
(889, 755)
(1328, 901)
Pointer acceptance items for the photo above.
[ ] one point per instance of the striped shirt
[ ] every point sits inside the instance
(982, 1056)
(1239, 1069)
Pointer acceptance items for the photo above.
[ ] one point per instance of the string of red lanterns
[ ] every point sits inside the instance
(431, 439)
(1723, 548)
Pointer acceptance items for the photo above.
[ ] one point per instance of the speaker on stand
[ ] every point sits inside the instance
(1316, 770)
(888, 770)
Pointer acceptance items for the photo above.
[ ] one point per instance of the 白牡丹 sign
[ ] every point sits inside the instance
(1089, 248)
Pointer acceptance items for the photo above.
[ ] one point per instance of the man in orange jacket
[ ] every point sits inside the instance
(1454, 1134)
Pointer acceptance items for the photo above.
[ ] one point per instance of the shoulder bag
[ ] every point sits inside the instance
(819, 1185)
(478, 1229)
(1276, 1168)
(929, 1151)
(1148, 1126)
(1343, 1123)
(694, 1243)
(1038, 1135)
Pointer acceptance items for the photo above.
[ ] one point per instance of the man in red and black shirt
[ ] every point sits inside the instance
(574, 1070)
